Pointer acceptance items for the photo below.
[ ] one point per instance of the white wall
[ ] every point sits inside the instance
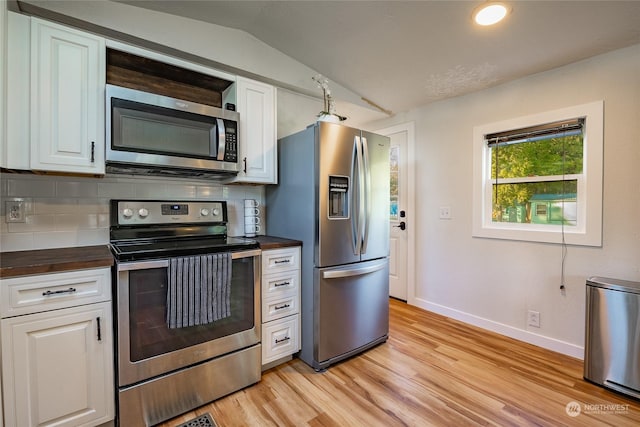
(492, 283)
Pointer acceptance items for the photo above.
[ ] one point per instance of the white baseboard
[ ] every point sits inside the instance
(502, 329)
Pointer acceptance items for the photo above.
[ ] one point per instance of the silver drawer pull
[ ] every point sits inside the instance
(282, 284)
(283, 261)
(64, 291)
(282, 340)
(282, 306)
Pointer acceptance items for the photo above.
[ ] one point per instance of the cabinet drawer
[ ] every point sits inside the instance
(32, 294)
(280, 338)
(277, 260)
(278, 308)
(279, 285)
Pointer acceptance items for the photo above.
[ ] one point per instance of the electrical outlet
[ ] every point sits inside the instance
(15, 210)
(533, 318)
(445, 212)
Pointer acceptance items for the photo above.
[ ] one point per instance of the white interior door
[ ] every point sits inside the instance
(400, 236)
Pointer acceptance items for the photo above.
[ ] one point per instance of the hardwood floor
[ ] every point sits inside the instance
(433, 371)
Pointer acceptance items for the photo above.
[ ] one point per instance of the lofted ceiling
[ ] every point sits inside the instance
(403, 54)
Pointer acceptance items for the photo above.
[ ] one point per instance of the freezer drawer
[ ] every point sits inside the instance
(612, 341)
(352, 311)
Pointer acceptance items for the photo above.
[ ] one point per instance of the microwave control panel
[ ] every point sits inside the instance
(231, 141)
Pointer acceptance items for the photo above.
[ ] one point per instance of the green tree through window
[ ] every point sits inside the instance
(541, 171)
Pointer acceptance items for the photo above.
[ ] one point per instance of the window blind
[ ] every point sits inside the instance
(536, 133)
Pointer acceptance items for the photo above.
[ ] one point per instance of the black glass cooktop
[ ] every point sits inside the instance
(130, 250)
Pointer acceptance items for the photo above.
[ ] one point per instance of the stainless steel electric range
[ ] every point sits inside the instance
(187, 307)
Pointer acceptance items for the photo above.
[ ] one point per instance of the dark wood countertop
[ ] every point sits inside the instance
(22, 263)
(272, 242)
(41, 261)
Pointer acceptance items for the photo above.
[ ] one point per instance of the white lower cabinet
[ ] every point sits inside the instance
(280, 304)
(57, 365)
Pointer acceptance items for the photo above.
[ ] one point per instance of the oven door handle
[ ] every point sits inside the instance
(163, 263)
(245, 254)
(143, 265)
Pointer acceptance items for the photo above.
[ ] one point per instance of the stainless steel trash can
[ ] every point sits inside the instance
(612, 336)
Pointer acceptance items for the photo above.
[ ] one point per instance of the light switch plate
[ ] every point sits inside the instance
(445, 212)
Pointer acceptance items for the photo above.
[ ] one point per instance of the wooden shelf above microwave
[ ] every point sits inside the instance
(135, 72)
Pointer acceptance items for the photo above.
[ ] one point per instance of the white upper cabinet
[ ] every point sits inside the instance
(256, 103)
(3, 88)
(17, 150)
(67, 99)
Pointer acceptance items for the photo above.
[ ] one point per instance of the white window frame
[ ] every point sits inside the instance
(588, 231)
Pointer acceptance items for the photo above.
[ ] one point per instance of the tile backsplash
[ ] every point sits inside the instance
(74, 211)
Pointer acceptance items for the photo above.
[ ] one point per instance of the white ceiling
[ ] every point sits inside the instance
(404, 54)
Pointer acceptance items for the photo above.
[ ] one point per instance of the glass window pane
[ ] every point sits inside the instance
(551, 202)
(394, 176)
(554, 156)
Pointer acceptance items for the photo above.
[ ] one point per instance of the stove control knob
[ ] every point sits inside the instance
(127, 212)
(216, 212)
(204, 212)
(143, 213)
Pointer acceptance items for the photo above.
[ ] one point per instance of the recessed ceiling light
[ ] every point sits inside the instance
(490, 13)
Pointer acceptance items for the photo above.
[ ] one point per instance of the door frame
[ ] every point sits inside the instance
(409, 128)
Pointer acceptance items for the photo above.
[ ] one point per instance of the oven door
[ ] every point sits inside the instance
(146, 345)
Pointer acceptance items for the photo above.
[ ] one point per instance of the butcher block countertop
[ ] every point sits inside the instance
(272, 242)
(43, 261)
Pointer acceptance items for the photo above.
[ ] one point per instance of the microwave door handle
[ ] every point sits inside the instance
(218, 144)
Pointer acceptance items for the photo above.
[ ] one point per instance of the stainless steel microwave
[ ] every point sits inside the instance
(154, 134)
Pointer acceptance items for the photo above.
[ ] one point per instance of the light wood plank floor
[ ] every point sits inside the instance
(433, 371)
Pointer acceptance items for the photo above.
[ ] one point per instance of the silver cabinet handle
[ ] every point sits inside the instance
(282, 340)
(282, 306)
(64, 291)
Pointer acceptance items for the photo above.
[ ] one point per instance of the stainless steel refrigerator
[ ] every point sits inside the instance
(333, 195)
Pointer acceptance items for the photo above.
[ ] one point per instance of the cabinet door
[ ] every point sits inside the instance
(57, 367)
(3, 88)
(67, 99)
(257, 136)
(17, 149)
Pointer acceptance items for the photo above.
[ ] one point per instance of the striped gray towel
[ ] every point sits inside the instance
(199, 289)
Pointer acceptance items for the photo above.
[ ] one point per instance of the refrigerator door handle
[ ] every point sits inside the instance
(336, 274)
(366, 180)
(357, 219)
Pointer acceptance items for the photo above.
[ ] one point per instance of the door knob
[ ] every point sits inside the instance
(401, 226)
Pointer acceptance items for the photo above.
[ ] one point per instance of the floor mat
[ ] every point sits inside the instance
(201, 421)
